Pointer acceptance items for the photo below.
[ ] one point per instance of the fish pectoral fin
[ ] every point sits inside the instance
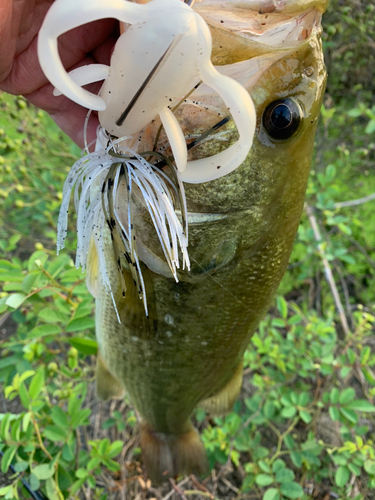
(222, 403)
(107, 386)
(170, 455)
(92, 268)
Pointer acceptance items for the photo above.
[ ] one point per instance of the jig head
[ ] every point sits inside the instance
(159, 58)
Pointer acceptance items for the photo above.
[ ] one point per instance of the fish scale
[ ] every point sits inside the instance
(243, 217)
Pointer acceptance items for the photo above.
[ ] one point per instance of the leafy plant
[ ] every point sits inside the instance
(304, 425)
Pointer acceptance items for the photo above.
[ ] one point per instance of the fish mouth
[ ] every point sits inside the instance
(273, 23)
(245, 30)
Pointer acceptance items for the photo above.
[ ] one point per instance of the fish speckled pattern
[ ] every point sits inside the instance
(191, 346)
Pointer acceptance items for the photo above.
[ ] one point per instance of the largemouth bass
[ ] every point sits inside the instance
(187, 350)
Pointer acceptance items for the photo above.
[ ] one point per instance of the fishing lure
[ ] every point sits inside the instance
(156, 62)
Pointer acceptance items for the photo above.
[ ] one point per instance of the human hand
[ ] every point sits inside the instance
(20, 72)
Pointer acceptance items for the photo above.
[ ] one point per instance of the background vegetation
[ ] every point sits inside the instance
(304, 426)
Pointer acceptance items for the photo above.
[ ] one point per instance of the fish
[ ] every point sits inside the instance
(173, 337)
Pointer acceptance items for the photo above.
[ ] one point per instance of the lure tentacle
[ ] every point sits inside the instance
(176, 138)
(64, 16)
(241, 107)
(87, 74)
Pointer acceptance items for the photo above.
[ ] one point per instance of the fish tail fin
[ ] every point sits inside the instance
(169, 455)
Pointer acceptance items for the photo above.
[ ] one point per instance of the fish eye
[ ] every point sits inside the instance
(281, 118)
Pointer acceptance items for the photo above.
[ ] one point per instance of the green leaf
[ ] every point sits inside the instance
(342, 476)
(365, 354)
(43, 331)
(282, 306)
(296, 458)
(334, 396)
(91, 480)
(115, 448)
(43, 471)
(354, 469)
(77, 485)
(291, 490)
(67, 453)
(81, 473)
(37, 383)
(370, 127)
(111, 464)
(361, 405)
(6, 490)
(84, 309)
(349, 414)
(8, 361)
(16, 430)
(7, 458)
(104, 446)
(21, 466)
(79, 324)
(28, 282)
(93, 463)
(369, 467)
(263, 479)
(278, 465)
(284, 476)
(5, 265)
(264, 466)
(59, 417)
(37, 260)
(303, 399)
(52, 490)
(5, 424)
(278, 322)
(34, 482)
(54, 433)
(340, 459)
(26, 421)
(271, 494)
(330, 173)
(57, 265)
(334, 413)
(305, 416)
(355, 112)
(289, 442)
(80, 417)
(269, 409)
(345, 370)
(288, 412)
(285, 400)
(52, 315)
(24, 396)
(294, 398)
(347, 395)
(15, 300)
(86, 346)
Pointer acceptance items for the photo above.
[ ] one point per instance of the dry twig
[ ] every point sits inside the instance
(181, 483)
(327, 270)
(229, 484)
(177, 488)
(353, 203)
